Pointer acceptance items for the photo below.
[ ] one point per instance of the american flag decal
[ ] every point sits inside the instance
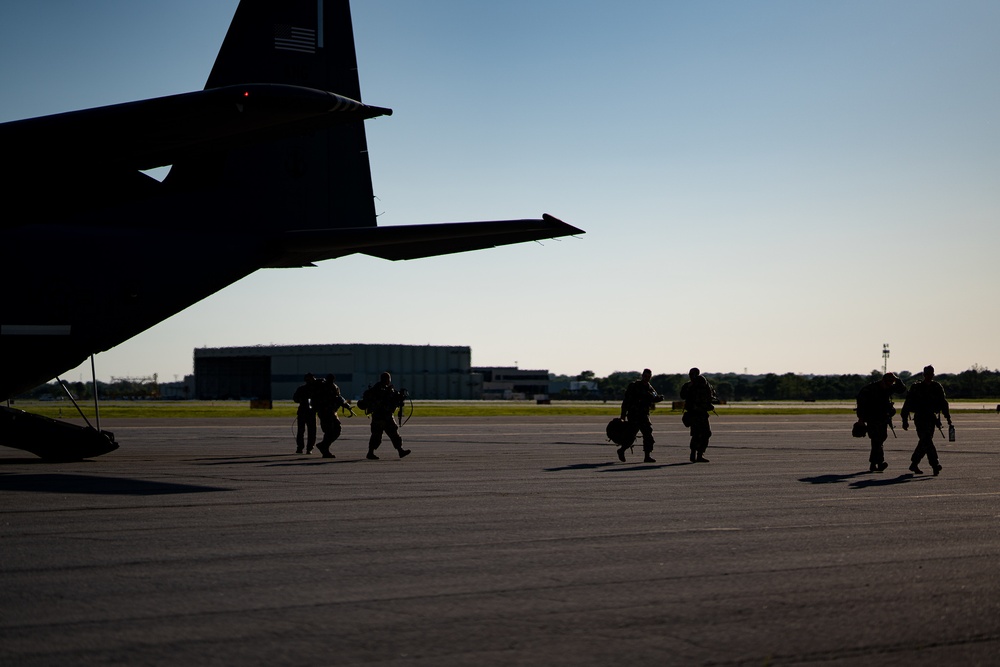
(290, 38)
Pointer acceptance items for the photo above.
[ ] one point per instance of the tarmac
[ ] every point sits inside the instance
(503, 541)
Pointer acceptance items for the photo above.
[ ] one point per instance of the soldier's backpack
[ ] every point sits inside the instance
(621, 432)
(367, 400)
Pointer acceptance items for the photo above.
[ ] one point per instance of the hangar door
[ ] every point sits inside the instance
(236, 378)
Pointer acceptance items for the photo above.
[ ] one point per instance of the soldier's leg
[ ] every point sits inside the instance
(697, 434)
(878, 452)
(925, 432)
(918, 453)
(311, 432)
(324, 425)
(700, 451)
(878, 432)
(926, 445)
(646, 428)
(393, 432)
(704, 433)
(300, 435)
(932, 456)
(331, 431)
(376, 438)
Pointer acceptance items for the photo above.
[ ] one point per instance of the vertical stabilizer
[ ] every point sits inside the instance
(317, 178)
(297, 42)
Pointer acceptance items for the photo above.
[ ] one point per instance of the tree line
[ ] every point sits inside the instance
(976, 382)
(119, 389)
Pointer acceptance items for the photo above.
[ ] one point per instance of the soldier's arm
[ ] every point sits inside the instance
(944, 407)
(906, 409)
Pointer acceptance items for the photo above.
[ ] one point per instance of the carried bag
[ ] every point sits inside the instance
(621, 432)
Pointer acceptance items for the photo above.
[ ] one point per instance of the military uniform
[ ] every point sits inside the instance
(327, 400)
(305, 416)
(381, 401)
(925, 400)
(699, 397)
(639, 399)
(874, 408)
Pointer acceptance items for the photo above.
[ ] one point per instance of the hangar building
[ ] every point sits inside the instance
(511, 382)
(273, 372)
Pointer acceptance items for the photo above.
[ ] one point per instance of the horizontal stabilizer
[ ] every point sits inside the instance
(302, 248)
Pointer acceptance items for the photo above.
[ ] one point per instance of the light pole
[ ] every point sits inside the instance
(885, 357)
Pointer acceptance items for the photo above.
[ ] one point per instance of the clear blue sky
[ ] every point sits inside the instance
(772, 186)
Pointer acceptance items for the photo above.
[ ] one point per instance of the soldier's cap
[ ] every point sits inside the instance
(928, 369)
(890, 376)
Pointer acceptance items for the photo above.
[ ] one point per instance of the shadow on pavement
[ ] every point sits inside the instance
(871, 479)
(104, 486)
(833, 479)
(646, 466)
(580, 466)
(886, 481)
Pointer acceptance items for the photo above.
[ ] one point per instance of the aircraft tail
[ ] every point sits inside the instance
(314, 175)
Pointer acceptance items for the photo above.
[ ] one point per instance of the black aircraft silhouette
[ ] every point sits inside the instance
(268, 168)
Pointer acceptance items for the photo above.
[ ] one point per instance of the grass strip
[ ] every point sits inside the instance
(287, 409)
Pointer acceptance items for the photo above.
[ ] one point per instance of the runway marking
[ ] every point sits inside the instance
(917, 496)
(957, 495)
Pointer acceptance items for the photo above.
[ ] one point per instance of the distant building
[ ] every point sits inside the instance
(580, 386)
(178, 390)
(510, 382)
(273, 372)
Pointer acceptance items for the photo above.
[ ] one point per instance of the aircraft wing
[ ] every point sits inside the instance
(302, 248)
(163, 130)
